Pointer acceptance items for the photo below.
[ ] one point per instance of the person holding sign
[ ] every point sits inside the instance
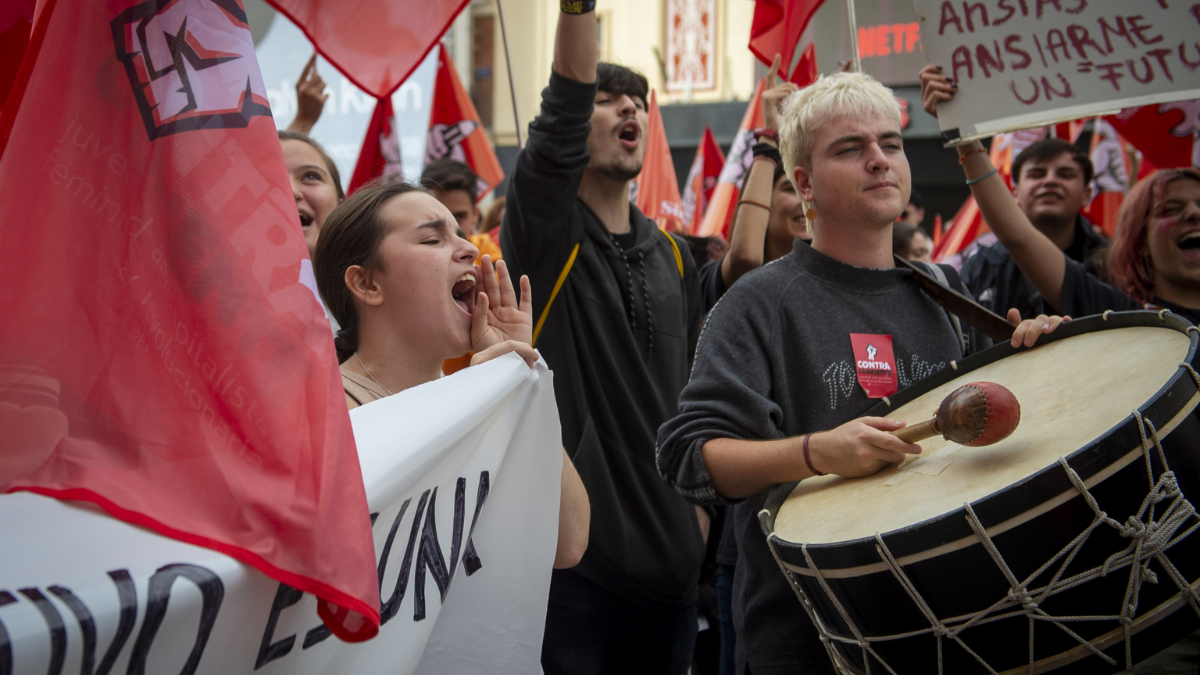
(1051, 180)
(798, 349)
(1155, 255)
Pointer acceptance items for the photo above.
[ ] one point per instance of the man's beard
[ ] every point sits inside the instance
(621, 169)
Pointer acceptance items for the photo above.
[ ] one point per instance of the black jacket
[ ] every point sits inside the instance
(998, 284)
(613, 387)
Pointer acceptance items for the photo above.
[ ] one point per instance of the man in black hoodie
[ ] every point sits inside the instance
(617, 315)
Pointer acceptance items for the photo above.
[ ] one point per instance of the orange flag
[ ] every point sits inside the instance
(455, 130)
(724, 198)
(657, 189)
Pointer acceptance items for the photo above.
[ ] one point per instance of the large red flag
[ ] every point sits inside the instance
(702, 180)
(657, 187)
(380, 153)
(156, 335)
(1168, 134)
(376, 44)
(725, 196)
(455, 130)
(777, 26)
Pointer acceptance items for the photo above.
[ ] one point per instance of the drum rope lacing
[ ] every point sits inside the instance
(1151, 533)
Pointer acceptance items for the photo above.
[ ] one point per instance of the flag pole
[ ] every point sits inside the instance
(512, 86)
(853, 36)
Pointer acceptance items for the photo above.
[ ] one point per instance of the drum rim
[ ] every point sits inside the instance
(1097, 323)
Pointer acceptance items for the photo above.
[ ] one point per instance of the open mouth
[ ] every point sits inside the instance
(629, 135)
(463, 293)
(306, 221)
(1189, 241)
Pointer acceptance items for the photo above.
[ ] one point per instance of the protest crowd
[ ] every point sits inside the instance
(693, 373)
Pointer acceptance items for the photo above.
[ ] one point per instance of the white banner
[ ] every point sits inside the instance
(462, 479)
(1025, 63)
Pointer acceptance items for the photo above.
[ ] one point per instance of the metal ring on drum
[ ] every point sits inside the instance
(1065, 547)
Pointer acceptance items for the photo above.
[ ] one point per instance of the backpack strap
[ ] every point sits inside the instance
(675, 247)
(562, 277)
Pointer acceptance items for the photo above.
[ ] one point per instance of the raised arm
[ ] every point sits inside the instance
(747, 241)
(1038, 257)
(575, 51)
(538, 232)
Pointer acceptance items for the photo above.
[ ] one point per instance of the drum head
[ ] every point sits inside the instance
(1071, 392)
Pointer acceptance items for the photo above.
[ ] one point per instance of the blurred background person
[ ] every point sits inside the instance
(910, 242)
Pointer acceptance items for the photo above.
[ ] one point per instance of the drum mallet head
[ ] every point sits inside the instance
(975, 414)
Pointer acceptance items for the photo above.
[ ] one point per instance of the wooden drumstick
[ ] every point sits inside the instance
(975, 414)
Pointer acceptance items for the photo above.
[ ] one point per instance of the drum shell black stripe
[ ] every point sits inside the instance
(961, 578)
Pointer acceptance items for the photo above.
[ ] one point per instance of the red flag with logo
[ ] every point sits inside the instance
(1168, 134)
(159, 352)
(376, 44)
(777, 26)
(702, 180)
(455, 130)
(724, 197)
(380, 153)
(657, 188)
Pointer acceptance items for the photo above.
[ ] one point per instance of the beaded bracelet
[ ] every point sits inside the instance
(963, 157)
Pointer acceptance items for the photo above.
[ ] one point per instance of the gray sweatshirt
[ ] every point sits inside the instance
(775, 361)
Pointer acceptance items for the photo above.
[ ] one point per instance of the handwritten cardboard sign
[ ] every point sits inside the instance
(1025, 63)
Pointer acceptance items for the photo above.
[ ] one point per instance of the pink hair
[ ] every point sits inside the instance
(1128, 264)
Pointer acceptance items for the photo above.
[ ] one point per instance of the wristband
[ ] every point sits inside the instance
(809, 461)
(754, 203)
(983, 177)
(766, 131)
(577, 6)
(768, 151)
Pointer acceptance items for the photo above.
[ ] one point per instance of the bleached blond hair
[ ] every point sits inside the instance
(852, 95)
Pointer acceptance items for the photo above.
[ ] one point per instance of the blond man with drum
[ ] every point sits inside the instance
(797, 350)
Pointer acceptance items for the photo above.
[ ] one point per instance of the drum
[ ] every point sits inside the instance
(1064, 547)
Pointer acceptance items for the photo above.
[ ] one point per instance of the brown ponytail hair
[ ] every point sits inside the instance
(351, 236)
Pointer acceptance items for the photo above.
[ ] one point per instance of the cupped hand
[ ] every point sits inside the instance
(498, 314)
(935, 87)
(773, 97)
(522, 349)
(859, 447)
(1029, 330)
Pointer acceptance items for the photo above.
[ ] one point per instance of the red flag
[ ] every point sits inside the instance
(777, 26)
(1069, 131)
(157, 332)
(937, 229)
(376, 44)
(455, 130)
(806, 71)
(1165, 133)
(657, 187)
(702, 180)
(966, 226)
(725, 196)
(380, 153)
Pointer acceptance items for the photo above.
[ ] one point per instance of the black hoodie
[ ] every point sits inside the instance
(614, 383)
